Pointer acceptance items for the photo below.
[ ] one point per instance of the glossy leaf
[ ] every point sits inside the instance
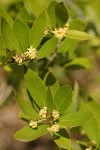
(78, 63)
(61, 139)
(22, 34)
(37, 30)
(27, 134)
(8, 36)
(36, 88)
(68, 45)
(75, 119)
(47, 48)
(78, 35)
(63, 98)
(61, 14)
(26, 108)
(51, 13)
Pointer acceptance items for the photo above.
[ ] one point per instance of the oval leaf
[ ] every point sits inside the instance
(26, 108)
(5, 15)
(8, 36)
(75, 119)
(61, 14)
(78, 35)
(61, 139)
(47, 48)
(77, 25)
(22, 34)
(27, 134)
(51, 13)
(37, 30)
(36, 88)
(63, 98)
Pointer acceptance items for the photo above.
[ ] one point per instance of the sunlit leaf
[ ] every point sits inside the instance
(62, 139)
(36, 88)
(52, 15)
(37, 30)
(78, 35)
(47, 48)
(8, 36)
(5, 15)
(22, 34)
(75, 119)
(62, 98)
(27, 134)
(26, 108)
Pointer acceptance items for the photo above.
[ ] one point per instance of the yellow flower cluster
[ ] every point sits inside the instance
(29, 54)
(54, 128)
(43, 113)
(55, 115)
(50, 119)
(33, 124)
(60, 33)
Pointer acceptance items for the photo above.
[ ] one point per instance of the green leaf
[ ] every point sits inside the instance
(94, 124)
(27, 134)
(22, 34)
(49, 101)
(47, 48)
(24, 116)
(51, 13)
(5, 15)
(61, 14)
(52, 83)
(77, 25)
(78, 35)
(26, 108)
(36, 88)
(37, 30)
(9, 37)
(9, 56)
(36, 7)
(63, 98)
(2, 47)
(75, 119)
(68, 45)
(78, 63)
(92, 129)
(61, 139)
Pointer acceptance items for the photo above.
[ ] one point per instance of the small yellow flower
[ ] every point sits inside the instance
(19, 59)
(33, 124)
(31, 53)
(54, 128)
(43, 113)
(60, 33)
(55, 114)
